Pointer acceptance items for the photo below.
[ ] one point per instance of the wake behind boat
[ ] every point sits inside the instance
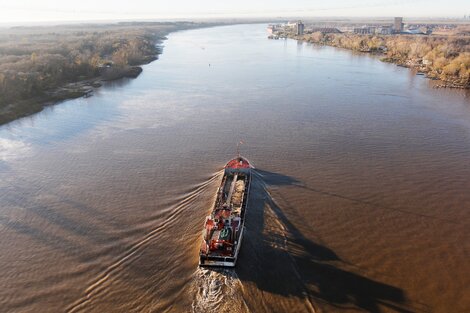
(223, 229)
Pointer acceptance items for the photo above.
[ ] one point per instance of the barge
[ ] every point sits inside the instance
(224, 227)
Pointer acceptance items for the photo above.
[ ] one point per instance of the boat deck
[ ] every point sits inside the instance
(224, 227)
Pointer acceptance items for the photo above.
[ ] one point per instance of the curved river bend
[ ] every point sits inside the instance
(360, 200)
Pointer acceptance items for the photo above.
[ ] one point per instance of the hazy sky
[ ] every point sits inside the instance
(64, 10)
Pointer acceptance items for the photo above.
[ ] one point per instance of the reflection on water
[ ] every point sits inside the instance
(359, 203)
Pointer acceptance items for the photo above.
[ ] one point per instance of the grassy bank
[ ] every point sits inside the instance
(444, 58)
(43, 65)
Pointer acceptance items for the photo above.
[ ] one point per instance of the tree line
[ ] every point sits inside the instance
(446, 58)
(36, 60)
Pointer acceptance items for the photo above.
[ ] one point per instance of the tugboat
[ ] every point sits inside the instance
(223, 229)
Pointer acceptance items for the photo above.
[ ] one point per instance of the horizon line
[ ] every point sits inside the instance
(212, 18)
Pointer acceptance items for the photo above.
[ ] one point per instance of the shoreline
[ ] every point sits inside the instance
(417, 64)
(84, 87)
(73, 90)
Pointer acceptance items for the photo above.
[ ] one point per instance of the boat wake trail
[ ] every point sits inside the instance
(115, 270)
(217, 290)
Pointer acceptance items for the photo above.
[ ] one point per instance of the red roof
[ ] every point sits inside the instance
(238, 163)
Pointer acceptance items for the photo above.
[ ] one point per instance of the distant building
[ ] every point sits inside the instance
(365, 30)
(346, 29)
(292, 23)
(324, 30)
(299, 28)
(416, 31)
(384, 30)
(398, 25)
(273, 28)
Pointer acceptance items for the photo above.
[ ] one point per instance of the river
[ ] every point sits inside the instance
(360, 199)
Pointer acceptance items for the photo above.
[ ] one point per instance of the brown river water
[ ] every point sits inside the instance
(360, 200)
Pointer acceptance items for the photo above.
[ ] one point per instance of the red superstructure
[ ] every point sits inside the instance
(238, 163)
(223, 229)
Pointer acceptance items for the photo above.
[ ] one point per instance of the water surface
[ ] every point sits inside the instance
(360, 198)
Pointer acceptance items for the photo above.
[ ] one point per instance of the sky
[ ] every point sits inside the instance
(12, 11)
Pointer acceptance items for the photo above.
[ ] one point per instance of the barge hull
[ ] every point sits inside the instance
(224, 228)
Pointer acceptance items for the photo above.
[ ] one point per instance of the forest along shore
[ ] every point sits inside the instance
(40, 66)
(443, 58)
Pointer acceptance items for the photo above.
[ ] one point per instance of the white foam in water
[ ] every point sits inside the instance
(217, 290)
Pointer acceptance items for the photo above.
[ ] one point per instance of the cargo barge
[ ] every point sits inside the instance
(224, 227)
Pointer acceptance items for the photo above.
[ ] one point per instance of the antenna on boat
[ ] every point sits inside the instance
(238, 148)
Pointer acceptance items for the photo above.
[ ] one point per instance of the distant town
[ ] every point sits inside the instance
(397, 26)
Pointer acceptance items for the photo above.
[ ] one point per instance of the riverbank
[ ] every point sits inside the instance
(83, 88)
(442, 58)
(46, 65)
